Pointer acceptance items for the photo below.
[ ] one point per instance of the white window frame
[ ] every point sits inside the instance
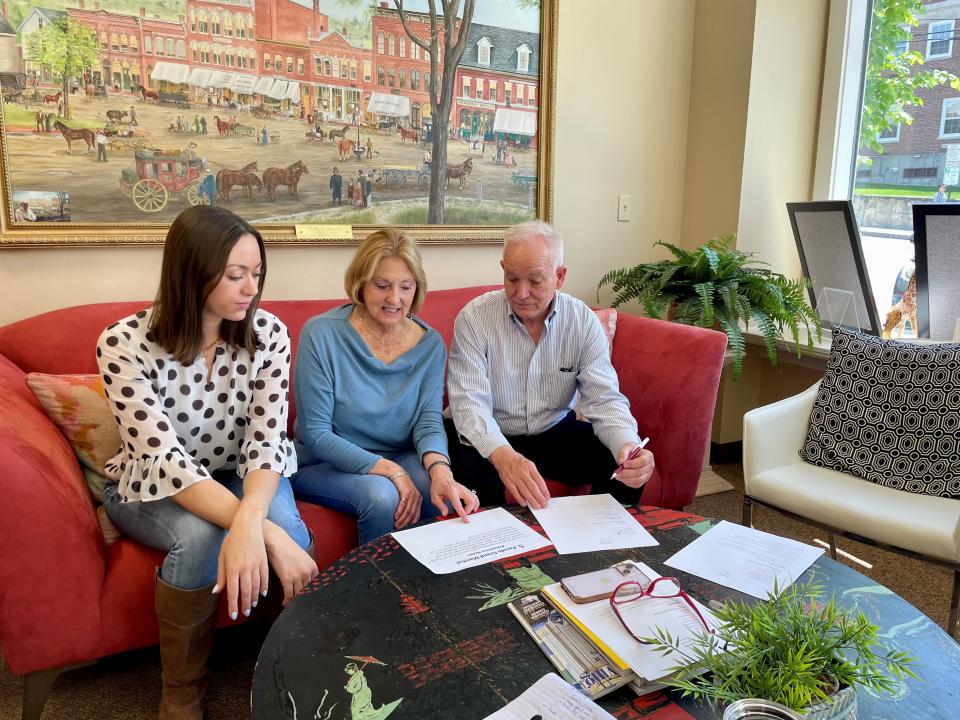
(893, 138)
(523, 58)
(931, 40)
(947, 103)
(484, 46)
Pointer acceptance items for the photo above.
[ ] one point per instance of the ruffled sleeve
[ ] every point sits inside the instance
(266, 445)
(153, 463)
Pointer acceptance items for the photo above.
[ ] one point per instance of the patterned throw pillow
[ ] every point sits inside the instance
(78, 407)
(889, 412)
(608, 321)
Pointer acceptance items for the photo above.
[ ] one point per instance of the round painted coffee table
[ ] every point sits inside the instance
(377, 635)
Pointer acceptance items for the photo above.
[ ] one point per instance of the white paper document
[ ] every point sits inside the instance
(644, 615)
(745, 559)
(551, 698)
(586, 523)
(451, 545)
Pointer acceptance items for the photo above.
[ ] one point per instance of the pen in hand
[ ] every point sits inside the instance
(632, 456)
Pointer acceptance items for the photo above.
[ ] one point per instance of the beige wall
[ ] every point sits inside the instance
(782, 125)
(621, 128)
(719, 93)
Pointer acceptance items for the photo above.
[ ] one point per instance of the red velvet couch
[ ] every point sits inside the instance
(66, 598)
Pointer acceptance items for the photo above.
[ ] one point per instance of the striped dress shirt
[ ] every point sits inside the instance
(501, 383)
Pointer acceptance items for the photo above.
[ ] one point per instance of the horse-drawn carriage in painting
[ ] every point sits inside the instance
(157, 175)
(122, 143)
(397, 175)
(523, 180)
(12, 86)
(179, 99)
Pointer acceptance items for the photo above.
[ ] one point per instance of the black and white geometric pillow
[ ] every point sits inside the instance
(889, 412)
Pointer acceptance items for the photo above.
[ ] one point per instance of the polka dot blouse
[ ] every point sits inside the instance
(176, 427)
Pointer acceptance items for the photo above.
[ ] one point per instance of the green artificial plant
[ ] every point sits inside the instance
(717, 285)
(790, 648)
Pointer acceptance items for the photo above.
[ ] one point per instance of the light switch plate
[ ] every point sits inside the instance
(624, 208)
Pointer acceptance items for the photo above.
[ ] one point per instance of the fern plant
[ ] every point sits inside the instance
(717, 285)
(790, 648)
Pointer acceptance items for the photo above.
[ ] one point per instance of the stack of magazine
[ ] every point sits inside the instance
(577, 658)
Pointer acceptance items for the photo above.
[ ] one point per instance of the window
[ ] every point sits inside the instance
(134, 44)
(193, 21)
(353, 69)
(391, 45)
(414, 79)
(124, 44)
(158, 44)
(266, 62)
(327, 67)
(317, 65)
(380, 75)
(492, 91)
(465, 92)
(202, 26)
(300, 66)
(483, 52)
(920, 172)
(414, 51)
(403, 78)
(217, 57)
(147, 44)
(392, 77)
(523, 58)
(950, 120)
(278, 63)
(940, 39)
(240, 31)
(380, 39)
(426, 82)
(507, 94)
(103, 40)
(891, 134)
(403, 46)
(289, 64)
(367, 70)
(114, 42)
(228, 25)
(344, 69)
(170, 47)
(215, 24)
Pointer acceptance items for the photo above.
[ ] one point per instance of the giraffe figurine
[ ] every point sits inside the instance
(904, 310)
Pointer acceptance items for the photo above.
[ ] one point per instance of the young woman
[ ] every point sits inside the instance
(198, 387)
(369, 387)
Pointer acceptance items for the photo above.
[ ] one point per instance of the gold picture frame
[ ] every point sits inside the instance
(484, 92)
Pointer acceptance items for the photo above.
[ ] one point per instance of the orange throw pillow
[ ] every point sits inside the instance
(78, 407)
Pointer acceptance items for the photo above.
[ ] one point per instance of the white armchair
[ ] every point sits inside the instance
(920, 526)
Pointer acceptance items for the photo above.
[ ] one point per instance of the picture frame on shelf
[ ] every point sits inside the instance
(254, 105)
(831, 257)
(936, 240)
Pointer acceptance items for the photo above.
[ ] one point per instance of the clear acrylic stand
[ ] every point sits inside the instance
(837, 308)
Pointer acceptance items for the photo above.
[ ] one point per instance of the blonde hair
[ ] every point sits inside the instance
(388, 242)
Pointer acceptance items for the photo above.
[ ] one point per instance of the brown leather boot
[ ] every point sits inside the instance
(187, 619)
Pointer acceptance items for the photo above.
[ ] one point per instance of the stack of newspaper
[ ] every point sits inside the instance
(578, 660)
(593, 651)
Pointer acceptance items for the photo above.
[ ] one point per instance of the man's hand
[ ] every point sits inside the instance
(636, 472)
(521, 477)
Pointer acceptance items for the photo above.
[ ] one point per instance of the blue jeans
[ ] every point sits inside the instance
(193, 544)
(372, 499)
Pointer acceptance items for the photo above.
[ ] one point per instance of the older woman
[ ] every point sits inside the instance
(368, 383)
(197, 386)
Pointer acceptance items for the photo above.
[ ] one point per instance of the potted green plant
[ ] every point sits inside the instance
(717, 285)
(792, 649)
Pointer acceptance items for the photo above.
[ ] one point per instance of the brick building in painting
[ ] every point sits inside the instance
(916, 154)
(283, 51)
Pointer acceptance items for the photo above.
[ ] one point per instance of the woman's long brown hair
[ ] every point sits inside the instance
(195, 257)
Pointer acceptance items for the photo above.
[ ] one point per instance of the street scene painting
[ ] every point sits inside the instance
(360, 112)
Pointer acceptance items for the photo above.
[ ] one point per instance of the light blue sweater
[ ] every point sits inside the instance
(352, 408)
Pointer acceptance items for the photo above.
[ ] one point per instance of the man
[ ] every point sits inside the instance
(133, 116)
(100, 139)
(208, 187)
(941, 194)
(368, 188)
(519, 358)
(23, 213)
(336, 186)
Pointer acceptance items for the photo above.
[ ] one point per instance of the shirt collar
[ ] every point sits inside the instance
(551, 314)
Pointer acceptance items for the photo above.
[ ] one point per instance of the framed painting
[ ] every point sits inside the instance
(936, 240)
(316, 120)
(831, 256)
